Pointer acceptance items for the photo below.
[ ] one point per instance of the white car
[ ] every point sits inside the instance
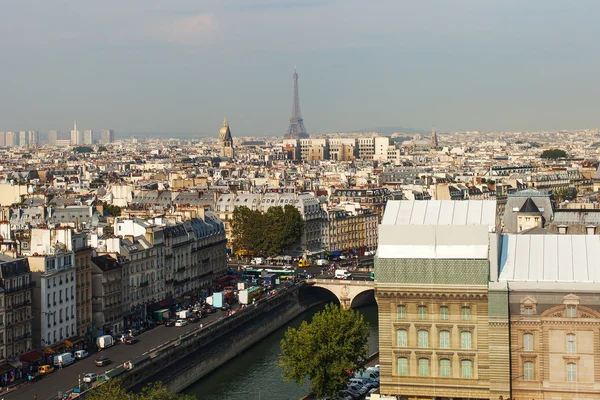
(89, 377)
(181, 322)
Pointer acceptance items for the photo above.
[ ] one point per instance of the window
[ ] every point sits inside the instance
(402, 366)
(465, 340)
(422, 312)
(444, 339)
(401, 311)
(528, 342)
(467, 369)
(445, 368)
(423, 338)
(401, 338)
(571, 343)
(528, 310)
(423, 367)
(528, 370)
(571, 311)
(571, 372)
(444, 312)
(466, 313)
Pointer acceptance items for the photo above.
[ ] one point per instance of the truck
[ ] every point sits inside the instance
(217, 301)
(270, 279)
(229, 294)
(183, 314)
(105, 341)
(303, 263)
(257, 261)
(249, 296)
(160, 316)
(342, 274)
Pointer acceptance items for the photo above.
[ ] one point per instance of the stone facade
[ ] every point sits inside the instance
(555, 337)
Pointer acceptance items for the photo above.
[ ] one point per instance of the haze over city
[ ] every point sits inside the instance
(166, 66)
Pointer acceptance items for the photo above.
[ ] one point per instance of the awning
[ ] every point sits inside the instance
(5, 368)
(68, 343)
(48, 350)
(31, 357)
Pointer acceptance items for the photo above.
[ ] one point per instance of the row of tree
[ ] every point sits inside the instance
(266, 234)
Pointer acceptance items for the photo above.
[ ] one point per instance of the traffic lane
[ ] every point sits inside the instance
(67, 378)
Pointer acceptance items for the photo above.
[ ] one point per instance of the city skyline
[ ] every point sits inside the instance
(180, 68)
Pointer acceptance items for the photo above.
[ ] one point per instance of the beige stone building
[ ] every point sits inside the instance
(83, 290)
(553, 282)
(441, 334)
(351, 228)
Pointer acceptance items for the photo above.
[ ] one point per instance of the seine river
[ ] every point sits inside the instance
(255, 375)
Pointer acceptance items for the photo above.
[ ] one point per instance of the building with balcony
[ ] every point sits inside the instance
(107, 303)
(16, 323)
(351, 227)
(373, 198)
(83, 295)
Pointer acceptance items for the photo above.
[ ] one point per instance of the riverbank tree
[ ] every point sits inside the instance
(112, 390)
(325, 350)
(266, 234)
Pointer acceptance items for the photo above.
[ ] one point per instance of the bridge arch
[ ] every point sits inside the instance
(346, 291)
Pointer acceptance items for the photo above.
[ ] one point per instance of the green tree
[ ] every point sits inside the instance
(154, 391)
(553, 154)
(83, 149)
(265, 234)
(102, 149)
(113, 210)
(324, 350)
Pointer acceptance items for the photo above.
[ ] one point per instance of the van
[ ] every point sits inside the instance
(104, 341)
(303, 263)
(322, 262)
(64, 359)
(81, 354)
(342, 274)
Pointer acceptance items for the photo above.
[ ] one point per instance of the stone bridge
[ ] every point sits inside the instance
(345, 290)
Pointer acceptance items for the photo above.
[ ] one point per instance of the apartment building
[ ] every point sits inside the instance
(16, 314)
(107, 303)
(351, 227)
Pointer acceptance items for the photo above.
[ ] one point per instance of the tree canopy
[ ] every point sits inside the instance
(324, 350)
(554, 154)
(266, 234)
(102, 149)
(113, 210)
(83, 149)
(154, 391)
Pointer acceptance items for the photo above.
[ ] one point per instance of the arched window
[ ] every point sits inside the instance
(571, 343)
(401, 338)
(528, 373)
(571, 372)
(423, 338)
(423, 367)
(402, 366)
(528, 341)
(465, 340)
(445, 368)
(444, 339)
(466, 367)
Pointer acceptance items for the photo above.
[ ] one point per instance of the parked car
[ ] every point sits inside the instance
(181, 322)
(89, 377)
(45, 369)
(132, 340)
(192, 319)
(81, 354)
(358, 388)
(170, 323)
(102, 361)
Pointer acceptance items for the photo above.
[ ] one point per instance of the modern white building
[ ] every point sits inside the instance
(88, 136)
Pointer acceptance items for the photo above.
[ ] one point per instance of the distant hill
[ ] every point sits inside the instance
(388, 130)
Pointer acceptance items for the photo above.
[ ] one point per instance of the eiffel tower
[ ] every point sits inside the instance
(296, 129)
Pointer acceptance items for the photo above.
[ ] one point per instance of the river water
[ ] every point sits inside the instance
(254, 374)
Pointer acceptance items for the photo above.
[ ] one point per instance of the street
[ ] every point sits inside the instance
(67, 378)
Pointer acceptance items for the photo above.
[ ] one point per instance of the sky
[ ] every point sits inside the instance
(184, 65)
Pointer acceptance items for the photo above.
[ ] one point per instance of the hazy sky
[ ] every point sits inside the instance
(181, 66)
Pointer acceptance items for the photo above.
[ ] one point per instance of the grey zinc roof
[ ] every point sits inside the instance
(440, 212)
(583, 217)
(550, 258)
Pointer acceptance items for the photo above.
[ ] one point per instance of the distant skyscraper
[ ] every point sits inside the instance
(23, 139)
(434, 138)
(296, 129)
(52, 137)
(2, 138)
(88, 136)
(11, 139)
(108, 136)
(226, 140)
(76, 138)
(33, 138)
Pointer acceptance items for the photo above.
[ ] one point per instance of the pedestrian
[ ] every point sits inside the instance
(201, 326)
(35, 396)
